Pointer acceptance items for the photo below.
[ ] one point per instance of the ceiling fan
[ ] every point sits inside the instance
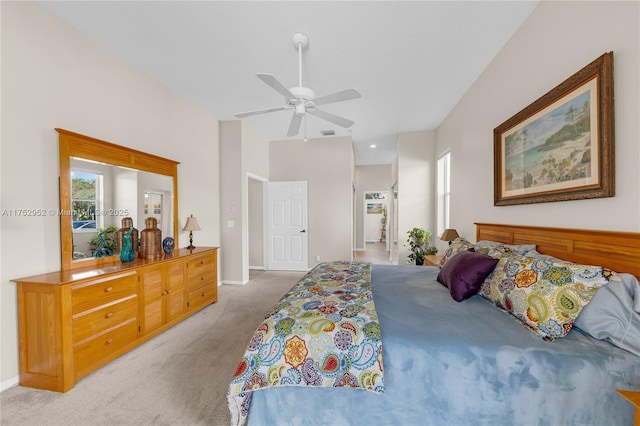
(302, 99)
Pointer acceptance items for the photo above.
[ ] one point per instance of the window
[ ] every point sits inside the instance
(85, 190)
(375, 195)
(444, 191)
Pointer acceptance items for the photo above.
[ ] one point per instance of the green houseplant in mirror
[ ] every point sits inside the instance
(418, 241)
(106, 241)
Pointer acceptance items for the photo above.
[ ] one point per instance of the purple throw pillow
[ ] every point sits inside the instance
(465, 272)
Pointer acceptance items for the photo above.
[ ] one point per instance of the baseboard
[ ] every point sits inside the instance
(359, 249)
(259, 268)
(7, 384)
(234, 282)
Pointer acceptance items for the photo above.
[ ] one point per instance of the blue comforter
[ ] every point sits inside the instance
(463, 363)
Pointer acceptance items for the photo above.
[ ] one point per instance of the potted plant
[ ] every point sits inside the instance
(419, 245)
(109, 234)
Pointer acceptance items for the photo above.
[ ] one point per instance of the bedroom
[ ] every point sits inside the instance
(547, 36)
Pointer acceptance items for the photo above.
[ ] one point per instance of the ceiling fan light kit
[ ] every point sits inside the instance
(302, 99)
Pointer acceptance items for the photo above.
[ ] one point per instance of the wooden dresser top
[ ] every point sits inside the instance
(65, 277)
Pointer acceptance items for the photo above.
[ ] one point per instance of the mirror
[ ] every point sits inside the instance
(102, 183)
(103, 195)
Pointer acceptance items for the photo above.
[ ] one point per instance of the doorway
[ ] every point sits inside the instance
(376, 210)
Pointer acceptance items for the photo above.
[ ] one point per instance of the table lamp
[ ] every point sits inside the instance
(191, 225)
(449, 235)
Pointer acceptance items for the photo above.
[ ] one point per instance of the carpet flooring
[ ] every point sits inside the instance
(179, 377)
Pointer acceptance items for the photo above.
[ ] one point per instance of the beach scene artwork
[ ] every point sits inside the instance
(553, 149)
(374, 208)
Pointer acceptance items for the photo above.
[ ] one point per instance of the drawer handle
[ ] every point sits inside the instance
(109, 315)
(109, 341)
(202, 262)
(201, 278)
(164, 293)
(108, 289)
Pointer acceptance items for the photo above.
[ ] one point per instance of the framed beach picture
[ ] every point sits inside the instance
(561, 147)
(374, 208)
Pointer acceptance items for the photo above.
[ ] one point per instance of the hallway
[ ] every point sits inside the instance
(374, 252)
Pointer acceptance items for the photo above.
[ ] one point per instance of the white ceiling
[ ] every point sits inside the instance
(411, 60)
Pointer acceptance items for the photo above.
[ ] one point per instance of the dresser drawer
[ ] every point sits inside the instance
(98, 292)
(205, 295)
(90, 322)
(205, 262)
(202, 278)
(92, 353)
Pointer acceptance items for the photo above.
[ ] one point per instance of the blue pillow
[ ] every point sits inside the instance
(611, 314)
(465, 272)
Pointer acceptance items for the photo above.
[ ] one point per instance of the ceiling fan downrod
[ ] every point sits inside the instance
(300, 41)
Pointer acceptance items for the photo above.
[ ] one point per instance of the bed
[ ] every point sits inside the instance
(439, 361)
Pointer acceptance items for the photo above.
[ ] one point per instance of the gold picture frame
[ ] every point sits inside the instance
(561, 147)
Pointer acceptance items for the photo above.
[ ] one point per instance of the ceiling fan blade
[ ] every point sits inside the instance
(294, 127)
(260, 111)
(340, 121)
(343, 95)
(275, 84)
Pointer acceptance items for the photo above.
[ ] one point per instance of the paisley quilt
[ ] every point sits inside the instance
(324, 333)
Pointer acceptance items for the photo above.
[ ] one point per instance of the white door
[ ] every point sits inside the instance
(287, 226)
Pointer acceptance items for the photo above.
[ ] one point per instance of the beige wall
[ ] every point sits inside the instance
(52, 76)
(255, 167)
(326, 164)
(557, 40)
(416, 183)
(256, 224)
(245, 153)
(368, 178)
(231, 202)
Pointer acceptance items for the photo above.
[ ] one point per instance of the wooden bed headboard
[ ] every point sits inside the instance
(618, 251)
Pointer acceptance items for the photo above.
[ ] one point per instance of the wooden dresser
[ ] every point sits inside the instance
(71, 323)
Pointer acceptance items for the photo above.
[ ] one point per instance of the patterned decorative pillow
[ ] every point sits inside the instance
(457, 245)
(497, 252)
(518, 248)
(545, 296)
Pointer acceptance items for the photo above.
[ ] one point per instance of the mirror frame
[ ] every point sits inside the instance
(76, 145)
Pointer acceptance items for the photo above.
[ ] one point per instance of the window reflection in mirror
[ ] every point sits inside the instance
(102, 195)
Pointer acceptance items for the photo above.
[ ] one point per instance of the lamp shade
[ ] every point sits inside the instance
(449, 235)
(192, 224)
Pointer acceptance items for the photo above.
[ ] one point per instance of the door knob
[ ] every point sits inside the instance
(304, 230)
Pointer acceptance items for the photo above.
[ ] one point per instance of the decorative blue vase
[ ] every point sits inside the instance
(127, 254)
(168, 245)
(102, 250)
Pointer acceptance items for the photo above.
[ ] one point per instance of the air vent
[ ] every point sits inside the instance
(328, 132)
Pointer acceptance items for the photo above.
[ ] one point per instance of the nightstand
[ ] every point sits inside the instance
(432, 260)
(634, 398)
